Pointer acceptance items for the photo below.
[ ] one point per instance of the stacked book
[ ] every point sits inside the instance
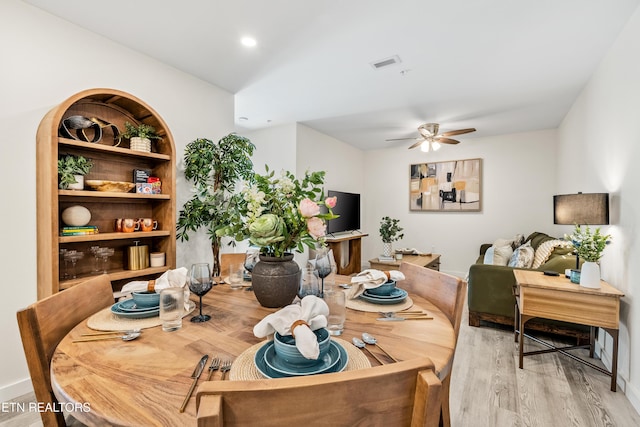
(386, 258)
(79, 231)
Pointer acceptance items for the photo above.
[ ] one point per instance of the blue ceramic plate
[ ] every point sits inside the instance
(267, 371)
(115, 309)
(396, 293)
(129, 306)
(375, 299)
(276, 363)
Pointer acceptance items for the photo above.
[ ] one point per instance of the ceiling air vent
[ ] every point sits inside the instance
(386, 62)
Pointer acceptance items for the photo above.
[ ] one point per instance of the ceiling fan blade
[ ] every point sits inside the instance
(401, 139)
(417, 144)
(446, 140)
(457, 132)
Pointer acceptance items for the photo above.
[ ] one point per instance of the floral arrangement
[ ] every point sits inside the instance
(588, 245)
(280, 214)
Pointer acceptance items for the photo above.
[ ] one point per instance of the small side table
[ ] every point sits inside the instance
(431, 261)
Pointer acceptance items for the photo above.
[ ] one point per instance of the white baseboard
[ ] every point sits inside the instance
(12, 391)
(633, 395)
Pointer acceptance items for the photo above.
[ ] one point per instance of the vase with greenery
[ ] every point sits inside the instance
(390, 231)
(281, 214)
(214, 169)
(71, 170)
(589, 246)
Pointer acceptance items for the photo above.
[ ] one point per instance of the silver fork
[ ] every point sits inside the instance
(215, 364)
(224, 368)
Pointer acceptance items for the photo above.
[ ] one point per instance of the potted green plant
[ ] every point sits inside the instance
(139, 136)
(589, 246)
(214, 169)
(389, 232)
(71, 170)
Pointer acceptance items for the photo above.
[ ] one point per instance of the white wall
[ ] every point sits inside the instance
(518, 180)
(598, 151)
(39, 71)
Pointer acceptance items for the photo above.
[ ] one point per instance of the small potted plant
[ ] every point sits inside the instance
(139, 136)
(389, 232)
(589, 246)
(72, 170)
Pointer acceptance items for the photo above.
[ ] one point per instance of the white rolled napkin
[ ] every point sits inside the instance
(312, 310)
(370, 279)
(169, 279)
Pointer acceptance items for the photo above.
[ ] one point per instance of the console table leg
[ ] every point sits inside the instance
(592, 340)
(614, 363)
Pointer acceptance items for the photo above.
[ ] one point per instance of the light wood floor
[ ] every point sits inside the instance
(488, 389)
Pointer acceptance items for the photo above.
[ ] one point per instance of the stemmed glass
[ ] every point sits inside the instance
(73, 257)
(251, 259)
(104, 254)
(200, 283)
(323, 266)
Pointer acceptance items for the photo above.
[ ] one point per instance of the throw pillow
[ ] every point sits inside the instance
(488, 256)
(514, 242)
(522, 257)
(544, 251)
(502, 255)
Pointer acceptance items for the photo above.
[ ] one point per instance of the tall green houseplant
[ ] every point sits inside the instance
(214, 169)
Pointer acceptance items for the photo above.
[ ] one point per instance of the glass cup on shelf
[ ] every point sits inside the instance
(97, 260)
(105, 254)
(71, 257)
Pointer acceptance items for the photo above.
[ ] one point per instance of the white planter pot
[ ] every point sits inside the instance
(79, 185)
(590, 275)
(386, 249)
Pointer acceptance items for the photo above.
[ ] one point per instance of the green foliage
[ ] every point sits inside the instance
(214, 169)
(389, 230)
(141, 131)
(588, 245)
(69, 166)
(281, 213)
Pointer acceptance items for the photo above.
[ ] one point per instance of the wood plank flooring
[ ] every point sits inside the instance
(488, 389)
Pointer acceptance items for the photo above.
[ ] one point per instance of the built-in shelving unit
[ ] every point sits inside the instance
(111, 162)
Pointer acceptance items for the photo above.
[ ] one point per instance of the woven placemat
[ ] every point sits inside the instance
(362, 305)
(244, 367)
(105, 320)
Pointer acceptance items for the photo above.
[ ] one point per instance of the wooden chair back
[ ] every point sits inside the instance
(400, 394)
(446, 292)
(227, 259)
(43, 325)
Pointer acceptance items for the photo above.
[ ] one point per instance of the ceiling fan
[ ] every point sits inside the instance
(430, 139)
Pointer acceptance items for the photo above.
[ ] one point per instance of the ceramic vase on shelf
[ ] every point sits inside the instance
(79, 184)
(386, 249)
(590, 275)
(275, 280)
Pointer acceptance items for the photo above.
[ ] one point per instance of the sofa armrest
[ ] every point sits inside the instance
(483, 248)
(490, 289)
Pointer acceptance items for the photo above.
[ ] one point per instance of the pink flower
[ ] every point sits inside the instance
(331, 202)
(309, 208)
(316, 227)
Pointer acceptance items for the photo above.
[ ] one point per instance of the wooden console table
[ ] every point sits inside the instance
(555, 297)
(355, 252)
(431, 261)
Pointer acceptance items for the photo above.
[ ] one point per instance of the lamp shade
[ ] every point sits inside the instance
(581, 209)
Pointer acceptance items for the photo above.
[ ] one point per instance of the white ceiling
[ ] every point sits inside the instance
(501, 66)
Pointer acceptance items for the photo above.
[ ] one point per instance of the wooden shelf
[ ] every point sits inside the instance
(113, 236)
(116, 275)
(112, 163)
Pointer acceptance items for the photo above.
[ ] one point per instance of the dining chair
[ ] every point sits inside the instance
(399, 394)
(446, 292)
(43, 325)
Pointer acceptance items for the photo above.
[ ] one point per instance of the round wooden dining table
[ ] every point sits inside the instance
(143, 382)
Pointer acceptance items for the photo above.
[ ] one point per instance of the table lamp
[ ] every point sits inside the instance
(581, 209)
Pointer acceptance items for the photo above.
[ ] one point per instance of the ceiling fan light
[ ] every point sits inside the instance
(435, 146)
(424, 147)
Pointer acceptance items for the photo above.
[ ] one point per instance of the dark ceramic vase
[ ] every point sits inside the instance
(275, 280)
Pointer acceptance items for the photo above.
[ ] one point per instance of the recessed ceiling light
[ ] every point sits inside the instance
(248, 41)
(243, 118)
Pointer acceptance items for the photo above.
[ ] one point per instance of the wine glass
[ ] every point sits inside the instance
(251, 259)
(323, 266)
(200, 283)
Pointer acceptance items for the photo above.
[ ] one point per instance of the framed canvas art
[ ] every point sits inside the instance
(452, 186)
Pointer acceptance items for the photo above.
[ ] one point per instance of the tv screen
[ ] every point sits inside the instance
(348, 207)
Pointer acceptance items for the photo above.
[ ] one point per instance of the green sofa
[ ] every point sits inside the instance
(490, 290)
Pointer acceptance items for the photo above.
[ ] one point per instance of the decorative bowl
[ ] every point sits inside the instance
(385, 289)
(114, 186)
(146, 299)
(285, 348)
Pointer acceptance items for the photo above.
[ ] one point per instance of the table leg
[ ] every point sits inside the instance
(614, 363)
(592, 341)
(516, 320)
(523, 320)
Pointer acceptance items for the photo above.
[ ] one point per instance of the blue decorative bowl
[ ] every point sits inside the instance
(384, 290)
(285, 348)
(146, 299)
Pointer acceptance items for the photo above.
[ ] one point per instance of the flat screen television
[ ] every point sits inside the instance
(348, 207)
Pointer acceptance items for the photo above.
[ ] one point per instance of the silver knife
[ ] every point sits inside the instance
(196, 374)
(397, 319)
